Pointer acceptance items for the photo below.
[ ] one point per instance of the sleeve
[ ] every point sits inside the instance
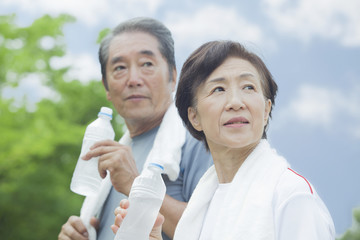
(301, 216)
(195, 160)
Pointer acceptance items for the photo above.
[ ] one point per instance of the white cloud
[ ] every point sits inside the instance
(29, 91)
(314, 105)
(212, 22)
(47, 43)
(84, 10)
(84, 67)
(325, 108)
(90, 12)
(306, 19)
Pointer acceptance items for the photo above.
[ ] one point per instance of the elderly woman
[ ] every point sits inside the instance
(225, 98)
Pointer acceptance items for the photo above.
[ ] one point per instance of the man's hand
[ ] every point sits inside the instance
(120, 213)
(73, 229)
(118, 160)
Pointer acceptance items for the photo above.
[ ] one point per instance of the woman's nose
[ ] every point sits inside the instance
(234, 100)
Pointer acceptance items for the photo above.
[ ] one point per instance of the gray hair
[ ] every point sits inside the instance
(140, 24)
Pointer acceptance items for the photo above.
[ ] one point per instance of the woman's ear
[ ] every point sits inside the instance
(193, 118)
(268, 105)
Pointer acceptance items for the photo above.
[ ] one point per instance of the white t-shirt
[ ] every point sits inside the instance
(212, 213)
(299, 213)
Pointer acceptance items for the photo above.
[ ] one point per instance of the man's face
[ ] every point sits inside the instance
(138, 78)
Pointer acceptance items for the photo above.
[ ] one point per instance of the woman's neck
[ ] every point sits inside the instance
(227, 161)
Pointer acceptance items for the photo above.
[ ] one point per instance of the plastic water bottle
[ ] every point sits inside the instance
(146, 196)
(86, 179)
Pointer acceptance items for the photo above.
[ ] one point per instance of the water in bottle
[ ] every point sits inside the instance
(86, 179)
(146, 196)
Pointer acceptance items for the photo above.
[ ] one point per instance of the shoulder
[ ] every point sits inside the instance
(294, 188)
(194, 149)
(191, 142)
(292, 182)
(195, 159)
(298, 208)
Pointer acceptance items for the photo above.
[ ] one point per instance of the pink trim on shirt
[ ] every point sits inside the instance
(303, 178)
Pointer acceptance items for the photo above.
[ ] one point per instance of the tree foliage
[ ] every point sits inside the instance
(39, 147)
(353, 233)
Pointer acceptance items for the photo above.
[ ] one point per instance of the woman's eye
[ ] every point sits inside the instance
(218, 89)
(249, 87)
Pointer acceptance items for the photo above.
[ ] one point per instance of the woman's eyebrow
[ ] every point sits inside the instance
(241, 76)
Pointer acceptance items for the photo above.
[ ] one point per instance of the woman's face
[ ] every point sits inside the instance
(231, 109)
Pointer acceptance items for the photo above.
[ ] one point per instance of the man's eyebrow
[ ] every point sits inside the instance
(143, 52)
(116, 60)
(147, 52)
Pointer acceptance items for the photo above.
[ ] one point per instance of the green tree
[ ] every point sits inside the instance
(353, 233)
(39, 146)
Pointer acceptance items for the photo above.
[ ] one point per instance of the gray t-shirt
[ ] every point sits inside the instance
(195, 160)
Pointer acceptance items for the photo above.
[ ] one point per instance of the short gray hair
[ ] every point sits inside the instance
(140, 24)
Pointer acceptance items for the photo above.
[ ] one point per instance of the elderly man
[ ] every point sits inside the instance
(139, 75)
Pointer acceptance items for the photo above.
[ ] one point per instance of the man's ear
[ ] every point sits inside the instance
(108, 97)
(193, 118)
(106, 89)
(173, 82)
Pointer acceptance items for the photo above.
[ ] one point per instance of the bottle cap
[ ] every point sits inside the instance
(156, 165)
(106, 111)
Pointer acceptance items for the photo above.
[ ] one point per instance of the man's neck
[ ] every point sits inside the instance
(137, 128)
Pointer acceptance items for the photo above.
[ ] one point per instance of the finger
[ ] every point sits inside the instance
(106, 161)
(118, 220)
(104, 143)
(78, 225)
(124, 203)
(101, 148)
(117, 211)
(95, 152)
(156, 231)
(114, 228)
(94, 222)
(68, 231)
(159, 221)
(102, 172)
(62, 236)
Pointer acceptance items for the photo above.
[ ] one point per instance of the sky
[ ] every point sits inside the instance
(311, 47)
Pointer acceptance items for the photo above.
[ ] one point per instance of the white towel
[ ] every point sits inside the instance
(166, 151)
(247, 209)
(168, 143)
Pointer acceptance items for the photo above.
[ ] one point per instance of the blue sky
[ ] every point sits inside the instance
(312, 48)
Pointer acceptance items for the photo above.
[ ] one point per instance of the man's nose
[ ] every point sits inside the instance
(135, 79)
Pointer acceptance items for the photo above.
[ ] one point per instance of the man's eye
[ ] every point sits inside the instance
(147, 64)
(119, 68)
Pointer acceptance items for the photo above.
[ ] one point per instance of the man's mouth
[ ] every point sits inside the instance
(135, 97)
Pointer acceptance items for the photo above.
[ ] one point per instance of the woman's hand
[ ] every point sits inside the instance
(120, 214)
